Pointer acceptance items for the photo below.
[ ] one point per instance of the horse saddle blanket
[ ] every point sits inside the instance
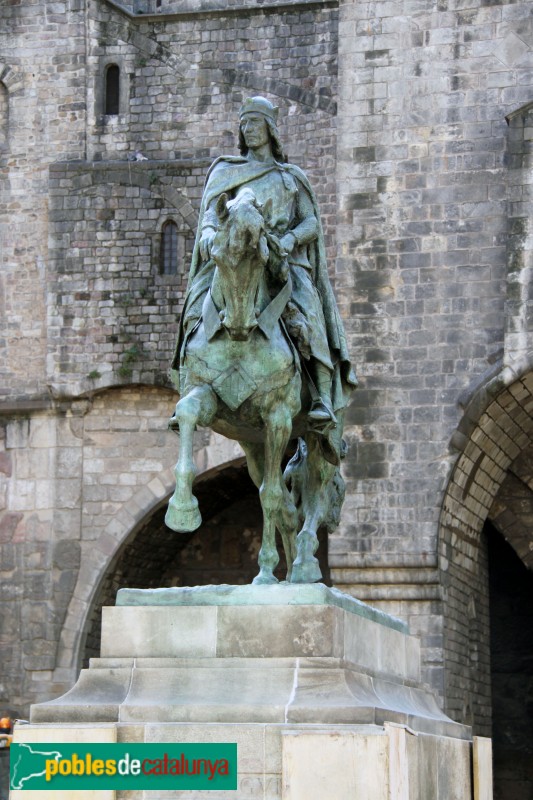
(234, 386)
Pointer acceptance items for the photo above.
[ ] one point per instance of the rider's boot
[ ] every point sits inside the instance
(321, 414)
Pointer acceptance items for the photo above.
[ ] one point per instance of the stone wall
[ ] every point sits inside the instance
(86, 308)
(45, 86)
(69, 472)
(423, 219)
(113, 316)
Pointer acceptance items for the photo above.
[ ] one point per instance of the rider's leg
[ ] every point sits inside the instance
(321, 412)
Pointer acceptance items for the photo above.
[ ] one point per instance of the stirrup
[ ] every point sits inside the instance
(321, 416)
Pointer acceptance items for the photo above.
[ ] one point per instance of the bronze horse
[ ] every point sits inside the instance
(241, 376)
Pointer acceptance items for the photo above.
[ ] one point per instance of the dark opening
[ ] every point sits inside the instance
(511, 639)
(168, 255)
(112, 90)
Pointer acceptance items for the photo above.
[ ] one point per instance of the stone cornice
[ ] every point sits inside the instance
(217, 9)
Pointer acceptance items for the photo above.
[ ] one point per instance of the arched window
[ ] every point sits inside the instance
(112, 90)
(4, 114)
(168, 254)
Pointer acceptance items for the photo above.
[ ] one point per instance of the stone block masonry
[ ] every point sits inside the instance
(422, 176)
(114, 316)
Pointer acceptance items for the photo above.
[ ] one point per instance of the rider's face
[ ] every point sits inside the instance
(255, 130)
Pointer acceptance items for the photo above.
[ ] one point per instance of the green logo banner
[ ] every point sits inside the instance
(124, 766)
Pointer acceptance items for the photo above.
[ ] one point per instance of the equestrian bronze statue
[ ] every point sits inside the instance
(261, 355)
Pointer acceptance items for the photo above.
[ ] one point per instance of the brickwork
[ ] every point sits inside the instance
(502, 431)
(114, 316)
(422, 176)
(511, 512)
(45, 84)
(519, 256)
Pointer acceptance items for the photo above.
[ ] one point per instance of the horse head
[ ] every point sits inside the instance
(240, 251)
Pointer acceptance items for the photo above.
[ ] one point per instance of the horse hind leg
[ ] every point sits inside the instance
(198, 406)
(315, 476)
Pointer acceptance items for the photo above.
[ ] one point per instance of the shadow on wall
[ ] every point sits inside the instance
(223, 550)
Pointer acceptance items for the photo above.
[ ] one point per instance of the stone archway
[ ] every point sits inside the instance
(490, 491)
(223, 550)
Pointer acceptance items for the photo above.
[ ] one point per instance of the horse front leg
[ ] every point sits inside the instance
(272, 493)
(286, 521)
(198, 406)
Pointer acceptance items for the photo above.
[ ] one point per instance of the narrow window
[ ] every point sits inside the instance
(168, 256)
(112, 90)
(4, 114)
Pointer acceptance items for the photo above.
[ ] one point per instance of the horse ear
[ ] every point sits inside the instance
(222, 207)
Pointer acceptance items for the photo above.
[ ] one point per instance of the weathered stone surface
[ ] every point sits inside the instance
(288, 762)
(274, 621)
(245, 663)
(152, 632)
(482, 768)
(71, 734)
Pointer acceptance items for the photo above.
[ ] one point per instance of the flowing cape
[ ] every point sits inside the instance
(227, 174)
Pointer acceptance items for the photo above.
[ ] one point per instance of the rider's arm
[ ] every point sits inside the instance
(306, 229)
(210, 219)
(209, 228)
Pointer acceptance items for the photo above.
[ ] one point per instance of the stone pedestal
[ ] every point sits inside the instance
(321, 693)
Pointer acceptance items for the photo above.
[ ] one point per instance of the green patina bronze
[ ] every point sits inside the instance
(281, 594)
(261, 355)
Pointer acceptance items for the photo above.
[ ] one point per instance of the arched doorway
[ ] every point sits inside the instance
(511, 648)
(223, 550)
(485, 557)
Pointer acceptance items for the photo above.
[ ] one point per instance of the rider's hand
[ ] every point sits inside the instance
(288, 242)
(206, 240)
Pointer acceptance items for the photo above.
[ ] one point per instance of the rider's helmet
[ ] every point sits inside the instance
(259, 105)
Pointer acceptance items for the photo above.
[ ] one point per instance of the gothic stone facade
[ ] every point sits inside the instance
(414, 121)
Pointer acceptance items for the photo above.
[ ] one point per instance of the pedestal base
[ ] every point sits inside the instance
(321, 692)
(300, 762)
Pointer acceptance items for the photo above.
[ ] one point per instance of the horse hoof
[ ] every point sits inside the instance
(183, 520)
(305, 567)
(264, 578)
(306, 571)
